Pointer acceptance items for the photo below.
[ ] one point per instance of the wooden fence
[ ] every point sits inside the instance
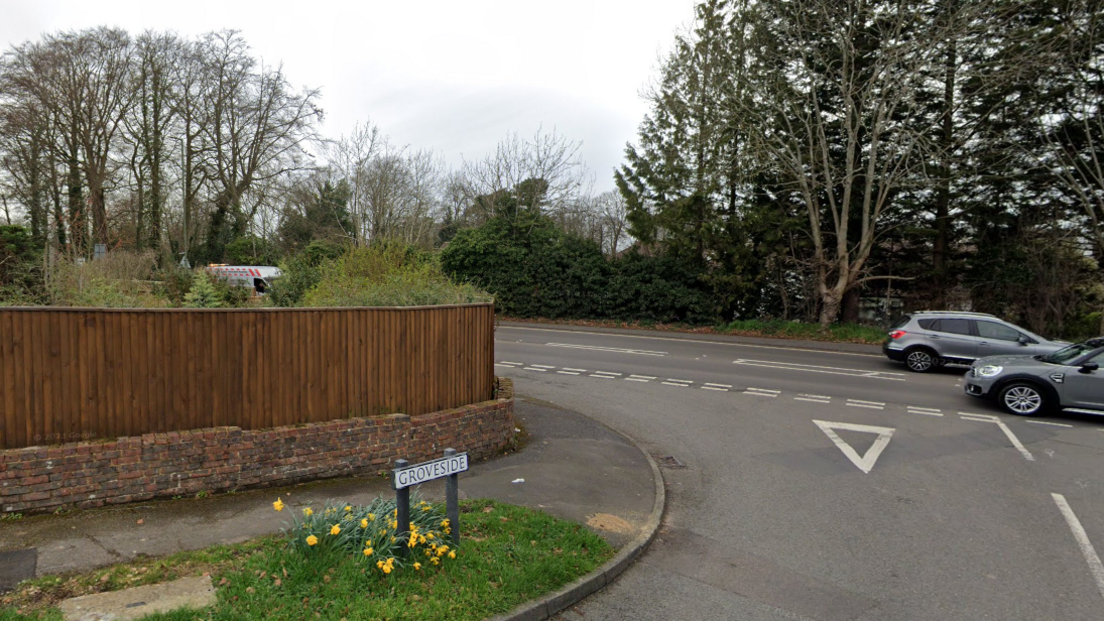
(79, 374)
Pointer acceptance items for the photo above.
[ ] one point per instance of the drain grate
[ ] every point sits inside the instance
(670, 462)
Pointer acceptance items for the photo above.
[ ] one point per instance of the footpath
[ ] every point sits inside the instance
(571, 467)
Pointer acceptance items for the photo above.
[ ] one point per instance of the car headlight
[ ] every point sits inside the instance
(989, 370)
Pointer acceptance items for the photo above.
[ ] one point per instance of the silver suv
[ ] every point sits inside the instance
(928, 339)
(1069, 379)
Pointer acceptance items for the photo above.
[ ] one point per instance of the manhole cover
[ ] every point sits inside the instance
(669, 461)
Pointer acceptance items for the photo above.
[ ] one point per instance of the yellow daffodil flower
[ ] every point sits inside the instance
(312, 540)
(335, 530)
(368, 551)
(307, 511)
(452, 555)
(417, 566)
(364, 523)
(371, 517)
(278, 505)
(348, 508)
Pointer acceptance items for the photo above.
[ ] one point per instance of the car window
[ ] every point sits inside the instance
(953, 326)
(900, 323)
(929, 324)
(1098, 359)
(990, 330)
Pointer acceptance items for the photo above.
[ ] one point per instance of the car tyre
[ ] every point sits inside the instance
(920, 359)
(1023, 399)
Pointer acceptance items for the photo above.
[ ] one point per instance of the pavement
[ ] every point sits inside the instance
(570, 466)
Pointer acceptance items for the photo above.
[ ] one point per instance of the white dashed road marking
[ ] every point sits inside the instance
(1044, 422)
(761, 392)
(912, 409)
(605, 375)
(789, 366)
(677, 382)
(640, 378)
(617, 350)
(536, 369)
(859, 403)
(567, 372)
(812, 398)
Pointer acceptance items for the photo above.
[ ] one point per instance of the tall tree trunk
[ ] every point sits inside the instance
(942, 241)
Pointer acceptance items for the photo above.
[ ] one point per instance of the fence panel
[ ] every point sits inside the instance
(72, 374)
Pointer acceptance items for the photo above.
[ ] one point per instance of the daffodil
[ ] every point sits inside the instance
(434, 560)
(312, 540)
(452, 554)
(278, 505)
(335, 530)
(368, 551)
(429, 536)
(364, 523)
(348, 508)
(417, 566)
(445, 523)
(307, 511)
(371, 517)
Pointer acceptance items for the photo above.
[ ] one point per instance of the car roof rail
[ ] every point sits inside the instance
(965, 313)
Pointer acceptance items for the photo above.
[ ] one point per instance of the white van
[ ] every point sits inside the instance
(259, 277)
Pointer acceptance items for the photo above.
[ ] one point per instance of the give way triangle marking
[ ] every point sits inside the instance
(866, 462)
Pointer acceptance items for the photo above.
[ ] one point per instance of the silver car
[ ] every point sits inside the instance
(928, 339)
(1069, 379)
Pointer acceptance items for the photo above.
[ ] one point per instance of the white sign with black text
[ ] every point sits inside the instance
(427, 471)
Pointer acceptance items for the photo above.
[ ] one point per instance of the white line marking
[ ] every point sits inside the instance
(765, 390)
(816, 366)
(636, 379)
(714, 388)
(759, 394)
(604, 376)
(805, 394)
(646, 377)
(1082, 538)
(911, 411)
(616, 350)
(866, 462)
(718, 385)
(543, 366)
(811, 400)
(665, 338)
(986, 418)
(866, 402)
(508, 366)
(864, 405)
(607, 373)
(790, 368)
(920, 409)
(1044, 422)
(675, 379)
(570, 369)
(538, 370)
(567, 372)
(674, 384)
(508, 362)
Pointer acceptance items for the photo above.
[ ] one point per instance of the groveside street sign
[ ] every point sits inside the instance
(429, 470)
(405, 475)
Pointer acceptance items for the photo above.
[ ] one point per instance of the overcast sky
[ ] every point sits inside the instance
(452, 76)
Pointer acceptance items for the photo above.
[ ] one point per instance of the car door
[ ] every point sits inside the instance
(953, 338)
(1084, 390)
(995, 339)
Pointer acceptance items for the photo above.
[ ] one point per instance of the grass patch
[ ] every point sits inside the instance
(508, 555)
(836, 333)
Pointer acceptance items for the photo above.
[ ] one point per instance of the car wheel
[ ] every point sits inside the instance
(920, 359)
(1023, 399)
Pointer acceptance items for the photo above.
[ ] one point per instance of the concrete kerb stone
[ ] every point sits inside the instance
(854, 348)
(553, 603)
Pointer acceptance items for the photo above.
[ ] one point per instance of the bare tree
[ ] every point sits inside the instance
(547, 157)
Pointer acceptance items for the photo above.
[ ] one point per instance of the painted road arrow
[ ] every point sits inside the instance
(866, 462)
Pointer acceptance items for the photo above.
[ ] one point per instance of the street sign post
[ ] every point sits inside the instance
(405, 475)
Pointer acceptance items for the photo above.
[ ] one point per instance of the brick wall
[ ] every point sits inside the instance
(92, 474)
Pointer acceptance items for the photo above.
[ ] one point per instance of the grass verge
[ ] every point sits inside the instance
(836, 333)
(508, 555)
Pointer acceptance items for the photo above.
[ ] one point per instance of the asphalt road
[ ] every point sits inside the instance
(831, 486)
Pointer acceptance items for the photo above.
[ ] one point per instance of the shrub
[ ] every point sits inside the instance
(387, 274)
(120, 279)
(203, 293)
